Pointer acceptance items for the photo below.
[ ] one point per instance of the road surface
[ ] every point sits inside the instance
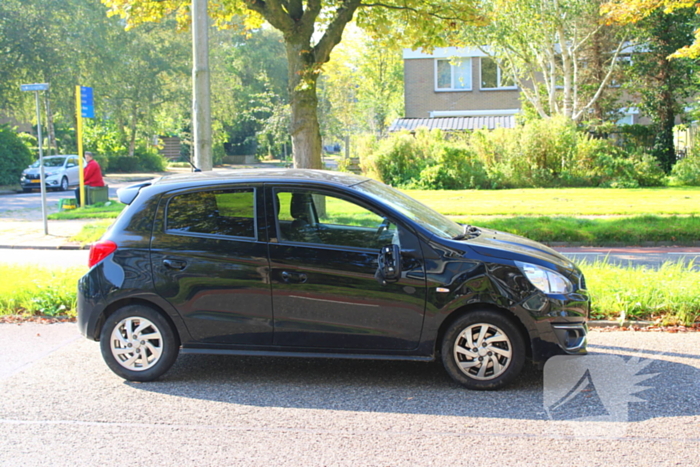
(62, 406)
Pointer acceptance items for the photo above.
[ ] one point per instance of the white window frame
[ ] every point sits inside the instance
(499, 79)
(463, 61)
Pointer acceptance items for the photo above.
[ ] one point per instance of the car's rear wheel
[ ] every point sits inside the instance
(138, 343)
(64, 184)
(483, 350)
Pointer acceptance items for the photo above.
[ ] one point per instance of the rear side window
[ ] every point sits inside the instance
(229, 213)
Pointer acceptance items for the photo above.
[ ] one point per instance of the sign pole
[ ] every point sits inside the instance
(42, 176)
(79, 134)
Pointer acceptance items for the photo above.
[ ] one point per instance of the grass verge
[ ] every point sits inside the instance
(667, 295)
(109, 210)
(678, 230)
(50, 292)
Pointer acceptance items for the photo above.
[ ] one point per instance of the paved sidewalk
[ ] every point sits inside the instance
(30, 234)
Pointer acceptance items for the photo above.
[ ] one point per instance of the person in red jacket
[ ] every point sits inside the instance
(92, 174)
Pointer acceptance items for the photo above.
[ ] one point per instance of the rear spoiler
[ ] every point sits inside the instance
(128, 194)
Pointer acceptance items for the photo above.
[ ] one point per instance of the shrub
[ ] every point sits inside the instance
(455, 167)
(541, 153)
(687, 171)
(15, 156)
(398, 160)
(145, 159)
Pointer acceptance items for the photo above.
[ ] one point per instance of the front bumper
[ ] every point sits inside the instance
(50, 182)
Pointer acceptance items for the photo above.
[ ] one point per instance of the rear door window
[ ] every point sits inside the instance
(229, 213)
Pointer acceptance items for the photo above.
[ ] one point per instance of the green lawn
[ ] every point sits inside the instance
(563, 202)
(592, 216)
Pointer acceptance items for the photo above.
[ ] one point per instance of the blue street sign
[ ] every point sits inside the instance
(87, 103)
(34, 87)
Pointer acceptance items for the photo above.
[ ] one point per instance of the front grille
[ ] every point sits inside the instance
(33, 176)
(582, 282)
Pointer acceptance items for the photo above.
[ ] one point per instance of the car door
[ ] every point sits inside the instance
(323, 266)
(209, 260)
(72, 171)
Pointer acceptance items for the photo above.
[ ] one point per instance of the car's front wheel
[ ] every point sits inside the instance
(483, 350)
(138, 343)
(64, 184)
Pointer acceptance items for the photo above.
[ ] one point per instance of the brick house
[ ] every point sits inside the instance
(461, 88)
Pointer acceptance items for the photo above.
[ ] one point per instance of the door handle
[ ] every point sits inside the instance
(174, 264)
(294, 278)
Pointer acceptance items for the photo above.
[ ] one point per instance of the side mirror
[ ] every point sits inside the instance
(389, 260)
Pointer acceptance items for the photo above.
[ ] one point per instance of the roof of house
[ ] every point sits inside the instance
(453, 123)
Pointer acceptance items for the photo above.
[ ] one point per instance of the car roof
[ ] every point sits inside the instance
(211, 178)
(262, 175)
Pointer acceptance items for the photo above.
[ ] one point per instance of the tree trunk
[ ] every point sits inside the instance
(304, 127)
(664, 149)
(132, 134)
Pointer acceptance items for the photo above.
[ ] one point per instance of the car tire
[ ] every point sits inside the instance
(483, 350)
(64, 184)
(138, 343)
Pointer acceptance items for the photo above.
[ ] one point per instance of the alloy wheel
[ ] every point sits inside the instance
(136, 343)
(483, 351)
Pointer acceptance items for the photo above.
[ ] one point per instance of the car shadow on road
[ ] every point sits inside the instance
(668, 388)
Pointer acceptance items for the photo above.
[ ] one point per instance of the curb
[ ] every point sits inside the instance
(622, 245)
(45, 247)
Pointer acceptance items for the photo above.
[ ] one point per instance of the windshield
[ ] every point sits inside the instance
(421, 214)
(50, 162)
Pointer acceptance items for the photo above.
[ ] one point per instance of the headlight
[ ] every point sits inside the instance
(51, 174)
(545, 279)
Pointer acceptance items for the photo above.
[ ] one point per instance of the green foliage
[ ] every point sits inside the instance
(49, 292)
(541, 153)
(145, 159)
(596, 232)
(104, 138)
(14, 156)
(668, 294)
(687, 171)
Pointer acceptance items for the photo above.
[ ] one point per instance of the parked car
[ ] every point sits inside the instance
(60, 173)
(317, 263)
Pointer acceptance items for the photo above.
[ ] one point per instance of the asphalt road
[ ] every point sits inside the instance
(61, 406)
(22, 205)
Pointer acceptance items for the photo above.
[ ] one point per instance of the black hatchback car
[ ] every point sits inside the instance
(317, 263)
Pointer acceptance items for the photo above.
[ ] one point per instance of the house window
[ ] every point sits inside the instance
(493, 77)
(453, 75)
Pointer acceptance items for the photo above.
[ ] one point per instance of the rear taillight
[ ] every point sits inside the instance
(101, 250)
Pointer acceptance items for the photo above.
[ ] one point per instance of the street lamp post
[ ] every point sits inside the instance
(36, 88)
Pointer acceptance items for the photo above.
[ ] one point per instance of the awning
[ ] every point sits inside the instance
(453, 123)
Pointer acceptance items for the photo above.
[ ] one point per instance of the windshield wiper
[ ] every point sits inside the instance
(469, 232)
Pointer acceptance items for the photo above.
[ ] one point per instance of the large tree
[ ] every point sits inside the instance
(311, 29)
(633, 11)
(134, 73)
(541, 44)
(663, 86)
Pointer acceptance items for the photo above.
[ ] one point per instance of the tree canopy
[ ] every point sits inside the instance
(311, 29)
(633, 11)
(541, 44)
